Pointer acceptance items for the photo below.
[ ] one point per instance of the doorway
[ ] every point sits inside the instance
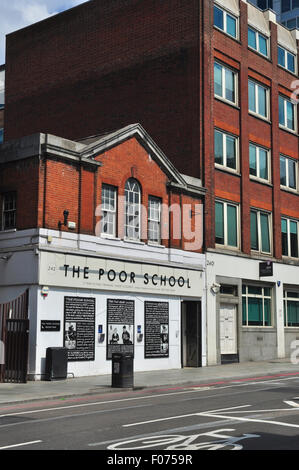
(191, 334)
(228, 333)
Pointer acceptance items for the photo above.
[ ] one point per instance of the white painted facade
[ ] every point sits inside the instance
(37, 259)
(253, 342)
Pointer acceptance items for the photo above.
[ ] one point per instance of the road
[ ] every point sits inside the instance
(244, 414)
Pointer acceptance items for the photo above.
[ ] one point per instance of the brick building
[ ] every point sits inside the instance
(102, 233)
(212, 83)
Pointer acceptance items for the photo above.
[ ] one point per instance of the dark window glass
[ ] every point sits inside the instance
(284, 237)
(218, 18)
(285, 5)
(219, 216)
(294, 239)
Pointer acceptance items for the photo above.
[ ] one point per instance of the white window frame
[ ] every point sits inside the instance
(285, 310)
(156, 221)
(284, 126)
(137, 223)
(262, 296)
(5, 211)
(225, 225)
(259, 230)
(286, 52)
(235, 75)
(287, 187)
(224, 166)
(258, 177)
(289, 237)
(111, 211)
(225, 13)
(256, 113)
(257, 49)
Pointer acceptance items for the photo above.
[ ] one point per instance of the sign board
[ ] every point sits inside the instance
(120, 327)
(266, 268)
(50, 325)
(79, 328)
(87, 272)
(156, 319)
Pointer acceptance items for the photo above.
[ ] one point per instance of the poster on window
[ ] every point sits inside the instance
(120, 327)
(79, 328)
(156, 319)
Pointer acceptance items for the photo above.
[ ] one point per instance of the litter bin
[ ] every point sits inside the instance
(122, 370)
(56, 364)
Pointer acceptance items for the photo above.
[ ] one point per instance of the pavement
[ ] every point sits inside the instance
(164, 379)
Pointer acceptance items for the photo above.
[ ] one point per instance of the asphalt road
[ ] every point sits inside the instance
(246, 414)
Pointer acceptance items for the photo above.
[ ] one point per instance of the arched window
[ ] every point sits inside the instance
(132, 214)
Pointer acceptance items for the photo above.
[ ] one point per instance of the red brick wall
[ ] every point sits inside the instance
(47, 188)
(22, 177)
(107, 64)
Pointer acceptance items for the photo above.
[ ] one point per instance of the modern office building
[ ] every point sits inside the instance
(287, 10)
(214, 84)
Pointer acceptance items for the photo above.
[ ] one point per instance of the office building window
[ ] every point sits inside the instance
(256, 306)
(258, 97)
(289, 237)
(291, 308)
(154, 219)
(226, 224)
(259, 162)
(225, 150)
(287, 112)
(285, 6)
(8, 211)
(257, 41)
(225, 83)
(286, 59)
(108, 223)
(288, 172)
(225, 21)
(260, 230)
(1, 135)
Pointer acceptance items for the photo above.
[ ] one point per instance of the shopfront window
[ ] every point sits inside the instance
(256, 306)
(291, 308)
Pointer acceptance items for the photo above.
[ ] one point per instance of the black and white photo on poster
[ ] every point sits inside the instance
(120, 326)
(79, 328)
(70, 335)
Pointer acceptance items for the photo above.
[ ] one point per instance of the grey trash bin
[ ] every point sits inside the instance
(122, 370)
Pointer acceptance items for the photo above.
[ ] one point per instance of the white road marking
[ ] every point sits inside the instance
(20, 445)
(193, 390)
(292, 403)
(249, 420)
(177, 417)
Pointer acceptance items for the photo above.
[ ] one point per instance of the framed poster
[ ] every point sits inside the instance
(156, 320)
(120, 326)
(79, 328)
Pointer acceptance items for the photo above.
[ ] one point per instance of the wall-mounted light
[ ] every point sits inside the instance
(65, 217)
(215, 288)
(6, 257)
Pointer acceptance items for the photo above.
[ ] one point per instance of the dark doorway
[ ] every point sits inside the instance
(191, 334)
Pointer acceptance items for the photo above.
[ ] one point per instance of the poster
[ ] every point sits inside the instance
(120, 327)
(79, 328)
(156, 319)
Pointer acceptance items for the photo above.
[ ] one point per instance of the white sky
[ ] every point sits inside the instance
(16, 14)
